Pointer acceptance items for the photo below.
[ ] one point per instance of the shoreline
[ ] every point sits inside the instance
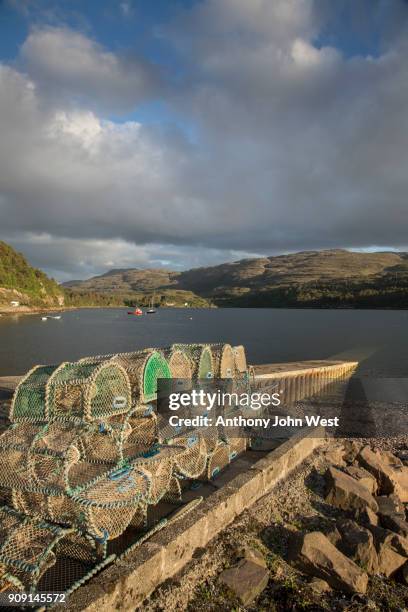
(26, 310)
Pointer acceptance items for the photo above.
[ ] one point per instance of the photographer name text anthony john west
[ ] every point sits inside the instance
(241, 421)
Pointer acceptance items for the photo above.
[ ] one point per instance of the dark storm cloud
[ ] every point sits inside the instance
(290, 144)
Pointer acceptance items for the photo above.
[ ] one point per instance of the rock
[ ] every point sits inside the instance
(392, 550)
(246, 581)
(319, 586)
(401, 483)
(358, 544)
(390, 505)
(352, 449)
(366, 517)
(395, 523)
(347, 493)
(253, 554)
(391, 474)
(334, 455)
(372, 462)
(364, 477)
(389, 561)
(315, 554)
(391, 459)
(334, 535)
(397, 543)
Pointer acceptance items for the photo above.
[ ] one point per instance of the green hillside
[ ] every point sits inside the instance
(22, 282)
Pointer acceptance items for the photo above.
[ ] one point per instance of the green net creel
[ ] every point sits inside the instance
(28, 402)
(156, 367)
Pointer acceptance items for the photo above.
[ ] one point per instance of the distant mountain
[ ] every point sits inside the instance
(126, 281)
(310, 278)
(20, 282)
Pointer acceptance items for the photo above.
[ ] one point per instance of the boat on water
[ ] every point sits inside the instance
(151, 309)
(136, 312)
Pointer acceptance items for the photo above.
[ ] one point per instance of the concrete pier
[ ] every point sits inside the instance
(9, 383)
(319, 368)
(302, 379)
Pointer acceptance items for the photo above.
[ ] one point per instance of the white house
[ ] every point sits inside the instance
(14, 303)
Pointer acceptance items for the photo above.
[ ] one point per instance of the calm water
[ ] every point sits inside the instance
(379, 339)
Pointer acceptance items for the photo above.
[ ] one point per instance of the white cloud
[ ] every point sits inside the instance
(71, 67)
(307, 56)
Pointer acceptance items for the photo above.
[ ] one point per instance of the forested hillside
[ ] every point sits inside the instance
(20, 281)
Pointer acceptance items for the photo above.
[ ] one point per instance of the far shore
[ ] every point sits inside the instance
(27, 310)
(6, 311)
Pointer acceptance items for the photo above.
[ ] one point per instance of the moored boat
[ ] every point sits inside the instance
(151, 309)
(137, 312)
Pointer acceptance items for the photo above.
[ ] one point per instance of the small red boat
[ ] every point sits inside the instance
(137, 312)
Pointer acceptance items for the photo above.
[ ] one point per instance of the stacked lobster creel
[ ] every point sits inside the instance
(84, 456)
(144, 368)
(206, 451)
(201, 443)
(230, 366)
(76, 454)
(219, 361)
(185, 362)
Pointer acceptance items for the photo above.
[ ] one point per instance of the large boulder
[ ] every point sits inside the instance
(358, 544)
(364, 477)
(389, 561)
(392, 550)
(391, 474)
(314, 554)
(346, 493)
(390, 458)
(246, 581)
(335, 454)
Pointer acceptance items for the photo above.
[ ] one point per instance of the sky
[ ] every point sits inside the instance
(185, 133)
